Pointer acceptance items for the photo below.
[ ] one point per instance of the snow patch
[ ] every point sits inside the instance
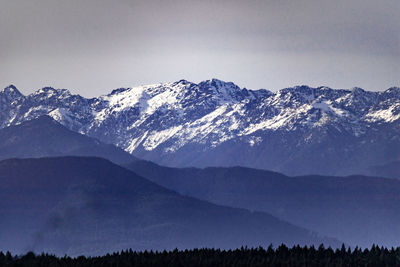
(386, 115)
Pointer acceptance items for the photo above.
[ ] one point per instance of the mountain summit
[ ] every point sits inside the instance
(297, 130)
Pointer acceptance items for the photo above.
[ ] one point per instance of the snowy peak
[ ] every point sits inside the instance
(392, 92)
(220, 86)
(176, 96)
(9, 98)
(8, 89)
(357, 91)
(224, 91)
(10, 92)
(309, 94)
(182, 82)
(181, 94)
(50, 92)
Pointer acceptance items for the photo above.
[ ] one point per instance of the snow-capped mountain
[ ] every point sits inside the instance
(295, 130)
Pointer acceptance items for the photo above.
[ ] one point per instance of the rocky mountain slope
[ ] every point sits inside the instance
(298, 130)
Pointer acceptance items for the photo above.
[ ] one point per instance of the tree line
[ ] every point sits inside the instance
(243, 257)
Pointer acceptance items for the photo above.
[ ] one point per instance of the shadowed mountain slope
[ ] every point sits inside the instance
(391, 170)
(359, 210)
(44, 137)
(79, 205)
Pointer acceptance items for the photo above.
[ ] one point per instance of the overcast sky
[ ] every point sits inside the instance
(94, 46)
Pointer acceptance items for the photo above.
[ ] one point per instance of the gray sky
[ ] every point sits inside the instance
(94, 46)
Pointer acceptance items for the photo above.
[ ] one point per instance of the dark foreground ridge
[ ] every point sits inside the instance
(90, 206)
(281, 256)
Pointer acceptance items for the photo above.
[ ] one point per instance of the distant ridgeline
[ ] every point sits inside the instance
(281, 256)
(296, 131)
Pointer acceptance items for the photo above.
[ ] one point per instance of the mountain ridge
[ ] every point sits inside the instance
(88, 205)
(45, 137)
(183, 124)
(358, 210)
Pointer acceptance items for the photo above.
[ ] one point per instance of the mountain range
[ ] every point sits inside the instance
(358, 210)
(296, 131)
(87, 205)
